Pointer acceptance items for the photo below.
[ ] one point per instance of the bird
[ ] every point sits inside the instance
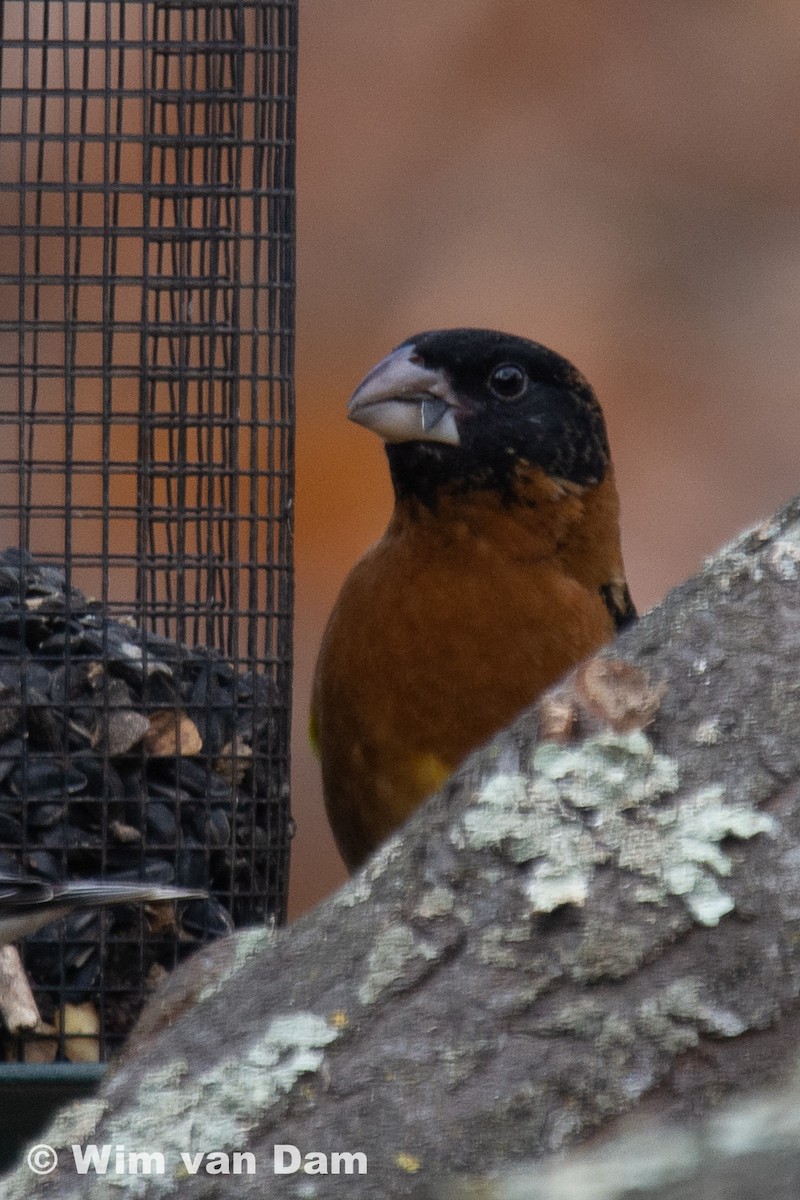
(500, 569)
(28, 904)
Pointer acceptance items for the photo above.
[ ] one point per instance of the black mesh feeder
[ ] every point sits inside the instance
(146, 424)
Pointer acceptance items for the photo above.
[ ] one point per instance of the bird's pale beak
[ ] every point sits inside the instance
(402, 400)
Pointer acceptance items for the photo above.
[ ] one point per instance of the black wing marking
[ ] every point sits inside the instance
(617, 600)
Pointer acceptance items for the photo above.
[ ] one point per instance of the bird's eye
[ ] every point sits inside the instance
(508, 381)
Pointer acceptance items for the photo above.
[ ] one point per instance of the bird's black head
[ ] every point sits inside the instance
(467, 409)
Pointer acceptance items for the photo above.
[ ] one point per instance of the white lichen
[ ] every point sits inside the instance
(436, 902)
(358, 889)
(550, 888)
(784, 555)
(736, 559)
(244, 946)
(77, 1121)
(611, 798)
(707, 732)
(691, 832)
(396, 956)
(680, 1012)
(173, 1112)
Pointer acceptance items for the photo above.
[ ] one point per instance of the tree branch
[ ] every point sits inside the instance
(745, 1151)
(599, 912)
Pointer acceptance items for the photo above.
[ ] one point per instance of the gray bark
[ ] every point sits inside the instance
(745, 1151)
(599, 913)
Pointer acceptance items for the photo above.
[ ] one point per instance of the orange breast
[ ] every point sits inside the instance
(442, 634)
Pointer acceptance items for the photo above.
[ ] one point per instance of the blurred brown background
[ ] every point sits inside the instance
(618, 181)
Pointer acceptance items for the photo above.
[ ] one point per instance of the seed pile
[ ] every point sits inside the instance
(127, 755)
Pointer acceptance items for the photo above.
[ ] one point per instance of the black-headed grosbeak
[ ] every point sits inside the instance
(500, 569)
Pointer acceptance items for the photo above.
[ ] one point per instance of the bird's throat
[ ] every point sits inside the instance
(540, 518)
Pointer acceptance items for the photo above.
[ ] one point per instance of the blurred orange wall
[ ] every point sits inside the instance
(618, 181)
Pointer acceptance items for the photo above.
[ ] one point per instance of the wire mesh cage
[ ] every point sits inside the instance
(146, 315)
